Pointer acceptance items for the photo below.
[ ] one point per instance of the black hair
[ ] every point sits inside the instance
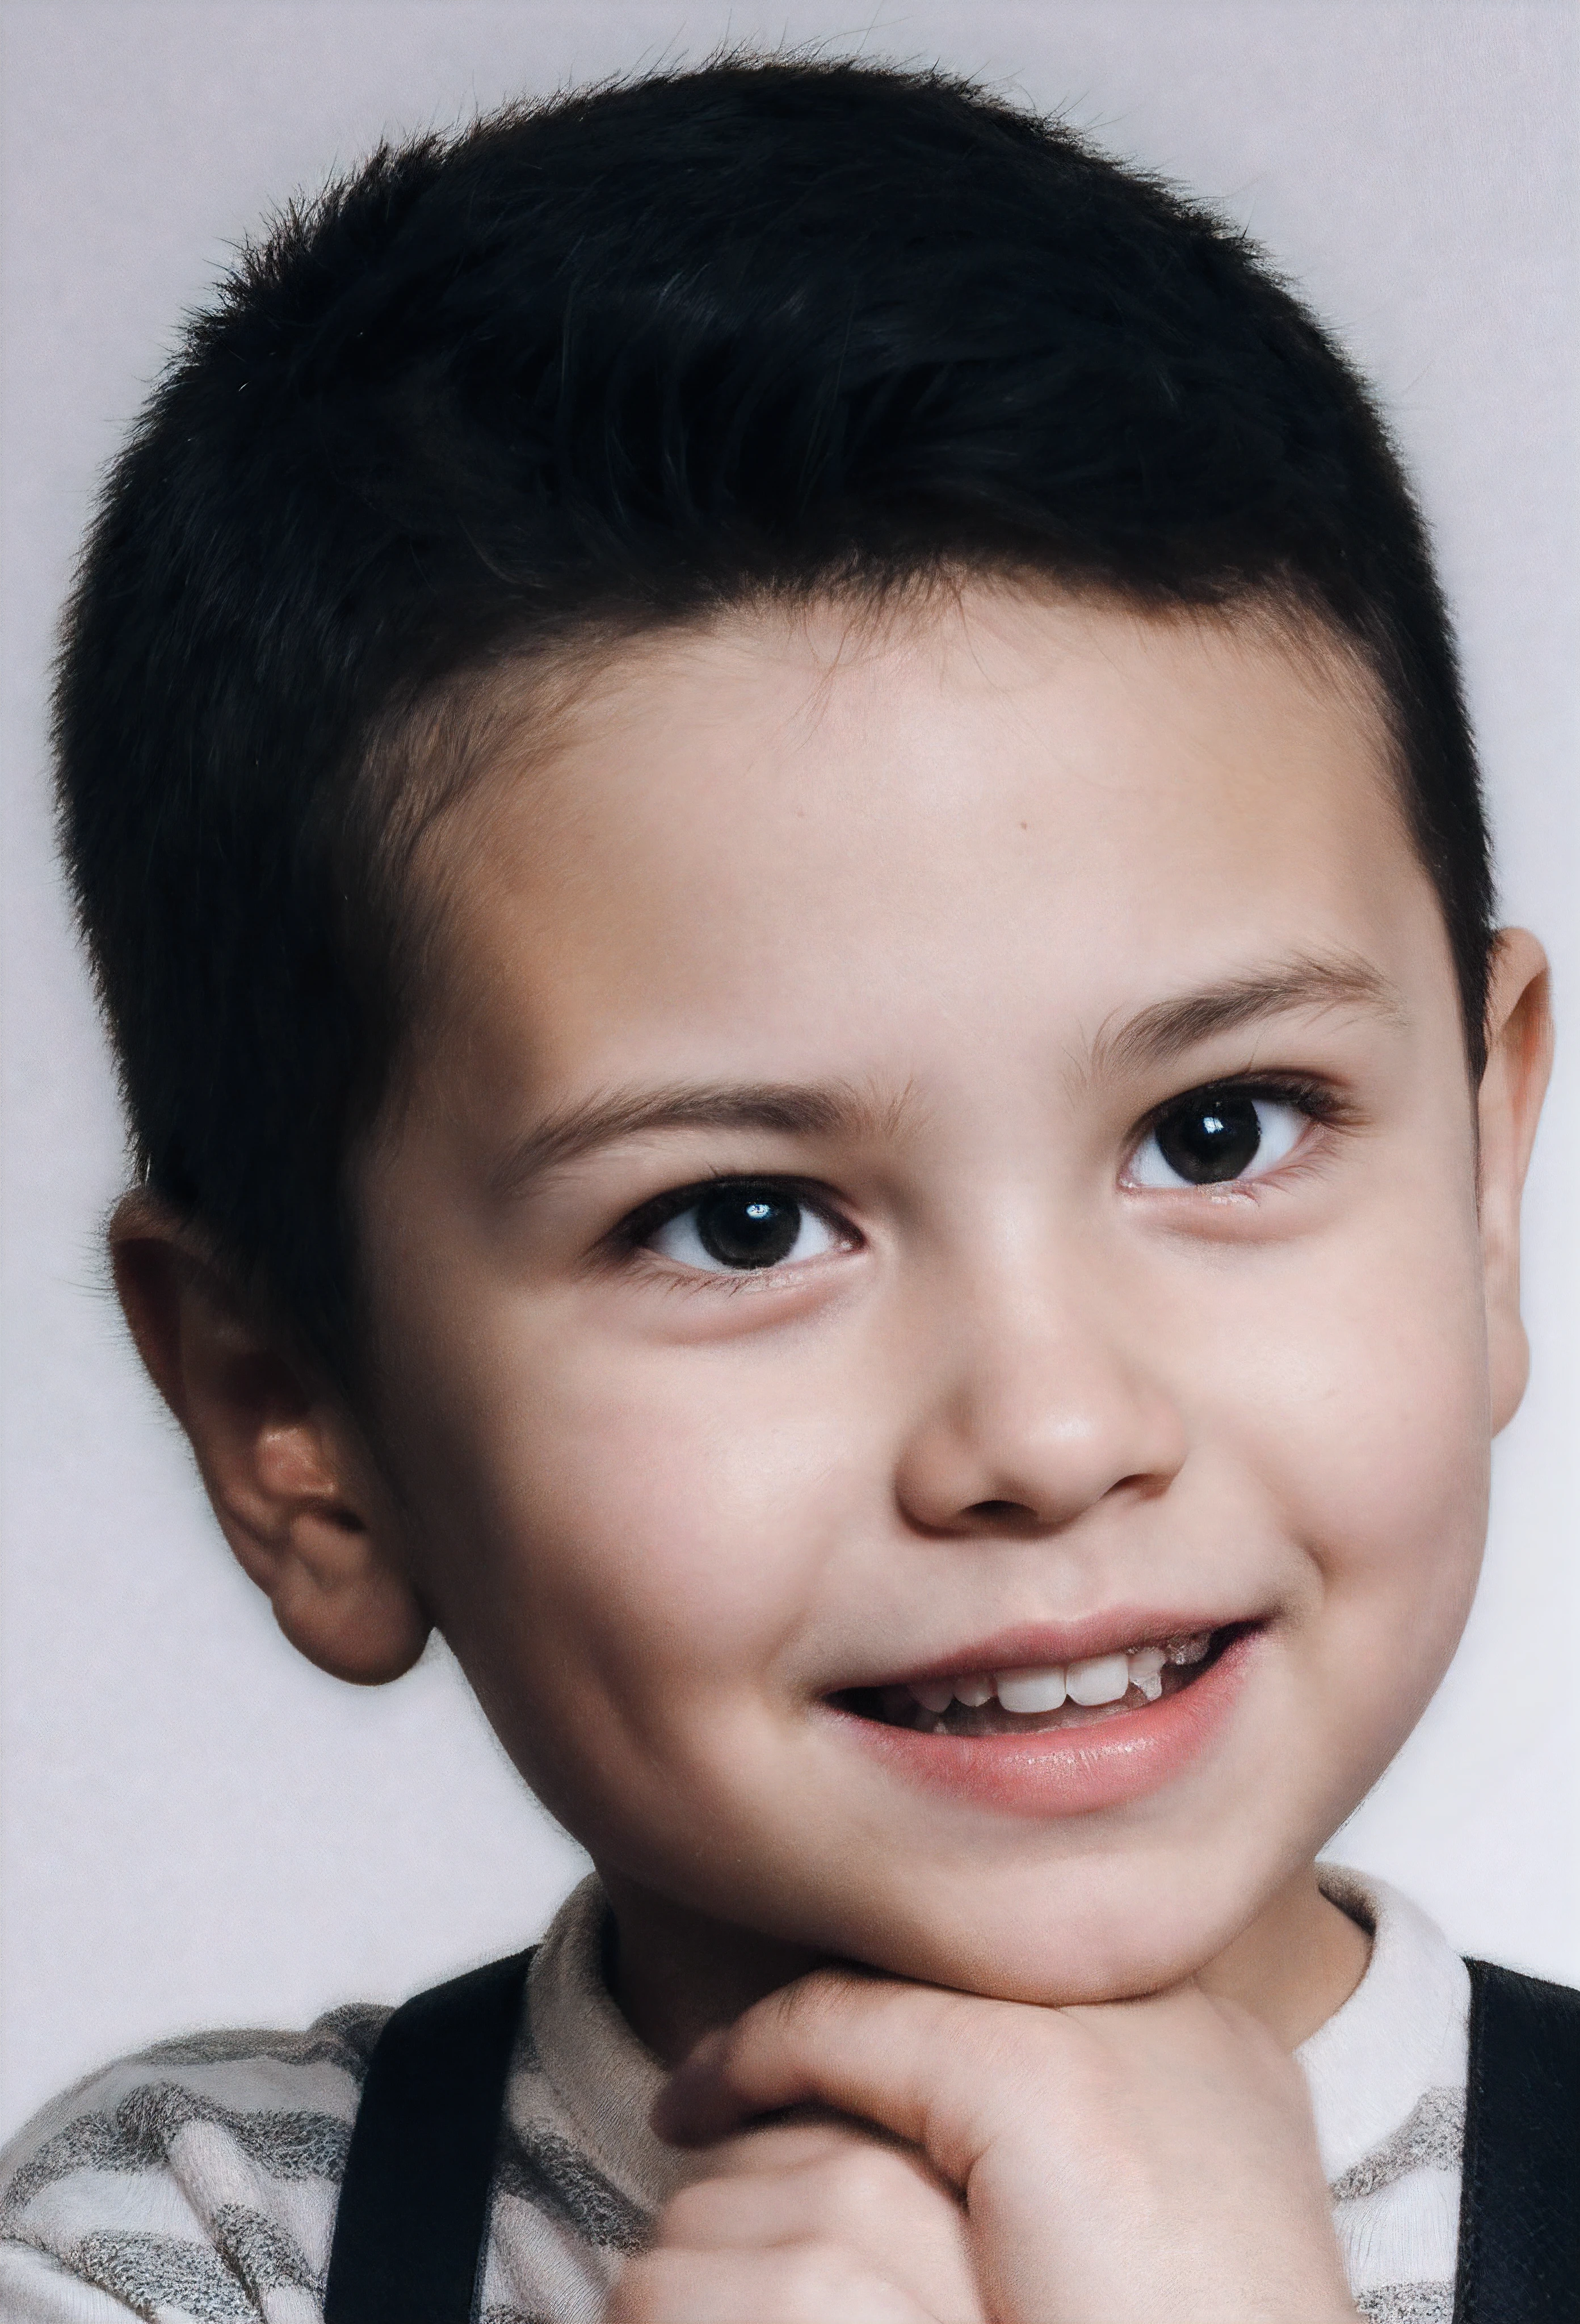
(610, 362)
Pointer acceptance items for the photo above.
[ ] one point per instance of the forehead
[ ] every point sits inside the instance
(792, 823)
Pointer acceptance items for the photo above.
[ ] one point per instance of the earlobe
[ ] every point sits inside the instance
(1519, 1047)
(297, 1495)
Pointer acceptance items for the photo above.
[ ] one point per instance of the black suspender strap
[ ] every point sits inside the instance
(412, 2229)
(1519, 2207)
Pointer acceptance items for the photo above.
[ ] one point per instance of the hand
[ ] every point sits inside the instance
(1149, 2162)
(806, 2223)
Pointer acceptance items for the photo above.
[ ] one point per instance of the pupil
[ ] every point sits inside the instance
(1212, 1138)
(748, 1226)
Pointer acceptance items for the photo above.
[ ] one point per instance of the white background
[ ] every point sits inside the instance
(195, 1827)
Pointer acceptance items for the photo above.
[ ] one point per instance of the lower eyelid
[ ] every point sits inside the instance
(675, 1275)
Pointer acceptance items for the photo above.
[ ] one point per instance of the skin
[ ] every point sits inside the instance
(935, 865)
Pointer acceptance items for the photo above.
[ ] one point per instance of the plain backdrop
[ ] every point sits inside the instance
(199, 1829)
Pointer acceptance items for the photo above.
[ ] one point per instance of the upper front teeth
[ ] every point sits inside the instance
(1101, 1678)
(1034, 1690)
(1104, 1679)
(934, 1693)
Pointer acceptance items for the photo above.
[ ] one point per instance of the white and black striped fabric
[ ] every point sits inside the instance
(196, 2183)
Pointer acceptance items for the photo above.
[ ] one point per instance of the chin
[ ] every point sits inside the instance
(1093, 1932)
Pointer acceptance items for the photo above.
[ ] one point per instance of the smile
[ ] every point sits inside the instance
(1034, 1700)
(1050, 1738)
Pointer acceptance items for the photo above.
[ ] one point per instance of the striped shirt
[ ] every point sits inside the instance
(199, 2180)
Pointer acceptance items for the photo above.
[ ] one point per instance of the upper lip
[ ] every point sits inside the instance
(1036, 1645)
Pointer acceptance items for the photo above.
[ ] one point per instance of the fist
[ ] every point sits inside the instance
(809, 2222)
(1147, 2162)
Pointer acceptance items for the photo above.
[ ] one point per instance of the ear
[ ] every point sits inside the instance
(1520, 1056)
(297, 1494)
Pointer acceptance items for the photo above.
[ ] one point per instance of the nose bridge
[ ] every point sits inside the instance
(1041, 1395)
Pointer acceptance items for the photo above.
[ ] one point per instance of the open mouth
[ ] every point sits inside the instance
(1053, 1696)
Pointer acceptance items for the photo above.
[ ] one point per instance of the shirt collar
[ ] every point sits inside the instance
(1402, 2031)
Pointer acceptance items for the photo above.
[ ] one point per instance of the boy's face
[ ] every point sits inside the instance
(1006, 1346)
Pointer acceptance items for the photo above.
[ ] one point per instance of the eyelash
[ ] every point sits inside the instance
(632, 1229)
(1318, 1099)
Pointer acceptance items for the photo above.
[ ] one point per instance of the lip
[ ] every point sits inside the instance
(1036, 1645)
(1065, 1771)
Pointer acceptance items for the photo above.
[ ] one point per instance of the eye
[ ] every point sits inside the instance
(742, 1224)
(1213, 1136)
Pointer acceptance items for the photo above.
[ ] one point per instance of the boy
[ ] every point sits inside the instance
(772, 801)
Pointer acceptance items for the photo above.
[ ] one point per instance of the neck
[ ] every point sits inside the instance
(677, 1974)
(1299, 1961)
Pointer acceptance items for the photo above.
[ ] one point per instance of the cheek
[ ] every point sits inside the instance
(1361, 1407)
(642, 1533)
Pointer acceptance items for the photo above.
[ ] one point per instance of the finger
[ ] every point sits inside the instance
(804, 2134)
(805, 2284)
(885, 2050)
(877, 2200)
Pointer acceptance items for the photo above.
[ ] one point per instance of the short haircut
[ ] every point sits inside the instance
(767, 329)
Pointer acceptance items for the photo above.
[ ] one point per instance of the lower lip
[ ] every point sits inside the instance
(1067, 1771)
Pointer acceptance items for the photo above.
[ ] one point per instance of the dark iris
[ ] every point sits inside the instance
(748, 1226)
(1210, 1137)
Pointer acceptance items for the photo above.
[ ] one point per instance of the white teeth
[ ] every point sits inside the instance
(1146, 1666)
(1189, 1650)
(1100, 1679)
(934, 1694)
(1027, 1690)
(1104, 1679)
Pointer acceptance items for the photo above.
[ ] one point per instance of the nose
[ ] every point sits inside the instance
(1038, 1409)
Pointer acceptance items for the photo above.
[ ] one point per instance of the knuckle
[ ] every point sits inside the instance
(820, 2275)
(869, 2178)
(1021, 2048)
(773, 2148)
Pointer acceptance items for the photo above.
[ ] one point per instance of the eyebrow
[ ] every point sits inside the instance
(1157, 1035)
(785, 1109)
(1151, 1038)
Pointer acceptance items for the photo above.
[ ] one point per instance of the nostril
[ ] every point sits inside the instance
(1001, 1512)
